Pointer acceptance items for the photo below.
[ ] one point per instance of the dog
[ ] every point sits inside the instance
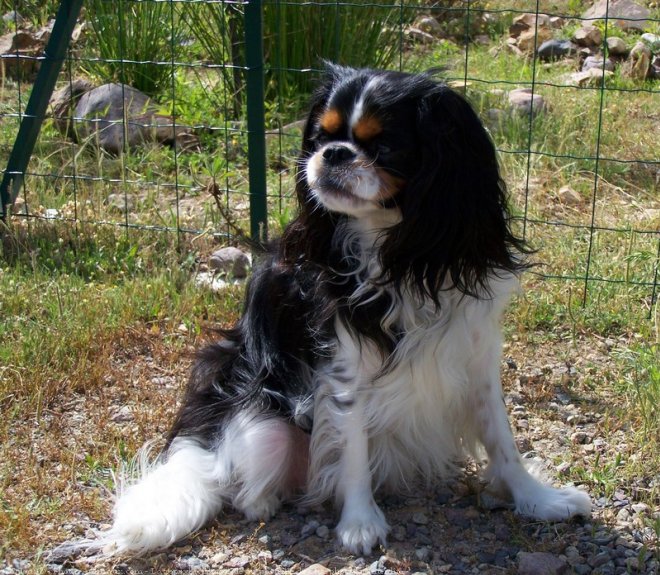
(368, 352)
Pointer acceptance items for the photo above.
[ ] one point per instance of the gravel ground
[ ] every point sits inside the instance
(446, 530)
(450, 528)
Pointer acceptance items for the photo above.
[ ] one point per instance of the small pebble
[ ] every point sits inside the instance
(376, 568)
(323, 531)
(420, 519)
(423, 554)
(315, 569)
(309, 528)
(265, 540)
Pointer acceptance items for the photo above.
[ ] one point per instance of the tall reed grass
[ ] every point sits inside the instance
(132, 46)
(297, 38)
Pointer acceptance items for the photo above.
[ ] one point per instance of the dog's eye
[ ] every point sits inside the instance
(321, 137)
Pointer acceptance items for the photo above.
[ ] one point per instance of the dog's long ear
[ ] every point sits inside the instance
(309, 235)
(455, 228)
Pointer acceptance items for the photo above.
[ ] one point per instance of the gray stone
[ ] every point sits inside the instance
(524, 102)
(191, 564)
(541, 564)
(265, 540)
(232, 261)
(121, 203)
(99, 113)
(616, 46)
(122, 415)
(429, 25)
(323, 531)
(420, 518)
(309, 528)
(592, 77)
(600, 559)
(419, 36)
(598, 63)
(555, 49)
(376, 568)
(653, 40)
(627, 14)
(424, 554)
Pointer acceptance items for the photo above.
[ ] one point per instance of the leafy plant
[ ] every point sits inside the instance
(297, 38)
(132, 46)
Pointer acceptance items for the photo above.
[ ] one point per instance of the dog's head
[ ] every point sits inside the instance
(405, 152)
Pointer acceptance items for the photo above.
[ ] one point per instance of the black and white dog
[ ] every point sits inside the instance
(368, 353)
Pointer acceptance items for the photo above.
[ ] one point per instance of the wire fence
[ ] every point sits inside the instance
(181, 119)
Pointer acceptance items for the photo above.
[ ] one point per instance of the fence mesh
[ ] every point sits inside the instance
(147, 135)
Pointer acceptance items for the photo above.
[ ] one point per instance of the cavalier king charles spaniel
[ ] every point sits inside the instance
(368, 352)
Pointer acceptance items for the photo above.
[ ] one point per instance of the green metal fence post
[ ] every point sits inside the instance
(35, 111)
(254, 83)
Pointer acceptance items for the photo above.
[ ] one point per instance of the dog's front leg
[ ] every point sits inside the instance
(506, 471)
(362, 524)
(339, 450)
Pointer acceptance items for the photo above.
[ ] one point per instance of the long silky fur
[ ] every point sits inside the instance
(368, 350)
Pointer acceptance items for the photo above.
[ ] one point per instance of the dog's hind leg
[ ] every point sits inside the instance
(258, 460)
(269, 460)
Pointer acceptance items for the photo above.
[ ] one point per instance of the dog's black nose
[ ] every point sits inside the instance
(338, 154)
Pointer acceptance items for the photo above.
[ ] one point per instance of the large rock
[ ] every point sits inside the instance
(419, 36)
(528, 21)
(231, 261)
(616, 46)
(19, 55)
(97, 114)
(593, 77)
(627, 14)
(588, 36)
(598, 63)
(429, 25)
(638, 64)
(524, 102)
(555, 49)
(21, 51)
(531, 39)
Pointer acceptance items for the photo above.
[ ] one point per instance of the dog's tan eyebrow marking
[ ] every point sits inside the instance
(331, 121)
(367, 127)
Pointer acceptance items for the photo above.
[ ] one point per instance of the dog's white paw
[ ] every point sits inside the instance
(260, 509)
(549, 504)
(361, 529)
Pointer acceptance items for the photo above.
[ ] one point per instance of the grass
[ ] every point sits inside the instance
(95, 316)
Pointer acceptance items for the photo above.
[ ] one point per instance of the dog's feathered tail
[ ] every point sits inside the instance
(159, 502)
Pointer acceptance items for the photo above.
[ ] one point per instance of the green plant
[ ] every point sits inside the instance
(641, 383)
(297, 38)
(132, 47)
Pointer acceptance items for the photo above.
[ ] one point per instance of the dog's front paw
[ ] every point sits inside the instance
(549, 504)
(360, 529)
